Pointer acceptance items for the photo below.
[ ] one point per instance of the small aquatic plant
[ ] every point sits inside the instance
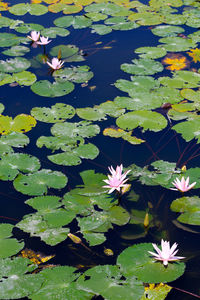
(166, 254)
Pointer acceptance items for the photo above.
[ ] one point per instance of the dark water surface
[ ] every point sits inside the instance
(166, 144)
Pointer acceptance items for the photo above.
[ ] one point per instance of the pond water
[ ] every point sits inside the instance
(127, 93)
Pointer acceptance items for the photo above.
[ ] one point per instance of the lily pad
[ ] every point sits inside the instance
(14, 65)
(16, 51)
(136, 261)
(21, 123)
(56, 89)
(111, 285)
(52, 32)
(33, 9)
(57, 113)
(148, 120)
(151, 52)
(167, 30)
(37, 183)
(142, 67)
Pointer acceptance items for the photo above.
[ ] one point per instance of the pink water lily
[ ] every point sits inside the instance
(166, 254)
(34, 36)
(43, 41)
(183, 185)
(116, 180)
(55, 64)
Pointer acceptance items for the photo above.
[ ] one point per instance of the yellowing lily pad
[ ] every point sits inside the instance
(21, 123)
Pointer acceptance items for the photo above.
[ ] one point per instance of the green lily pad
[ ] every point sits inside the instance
(9, 246)
(9, 39)
(177, 44)
(60, 283)
(148, 120)
(14, 139)
(24, 78)
(142, 67)
(76, 74)
(101, 29)
(56, 89)
(73, 156)
(83, 129)
(80, 22)
(65, 21)
(12, 164)
(111, 285)
(52, 32)
(137, 84)
(37, 183)
(16, 51)
(14, 65)
(151, 52)
(189, 129)
(16, 282)
(65, 50)
(189, 207)
(33, 9)
(181, 79)
(137, 261)
(26, 28)
(57, 113)
(167, 30)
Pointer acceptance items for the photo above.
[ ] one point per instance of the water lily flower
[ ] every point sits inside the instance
(166, 253)
(34, 36)
(116, 180)
(183, 185)
(43, 41)
(55, 64)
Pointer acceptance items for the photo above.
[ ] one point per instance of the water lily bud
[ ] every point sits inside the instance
(108, 252)
(146, 220)
(74, 238)
(125, 188)
(183, 168)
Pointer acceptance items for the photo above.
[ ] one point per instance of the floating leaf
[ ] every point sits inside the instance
(16, 51)
(35, 257)
(195, 54)
(66, 50)
(177, 44)
(11, 164)
(111, 285)
(151, 52)
(144, 267)
(56, 89)
(189, 129)
(13, 139)
(9, 246)
(82, 129)
(14, 65)
(21, 123)
(76, 74)
(60, 282)
(22, 8)
(57, 113)
(52, 32)
(16, 281)
(24, 78)
(65, 21)
(176, 62)
(119, 133)
(9, 39)
(167, 30)
(148, 120)
(101, 29)
(38, 182)
(142, 67)
(73, 156)
(189, 207)
(156, 292)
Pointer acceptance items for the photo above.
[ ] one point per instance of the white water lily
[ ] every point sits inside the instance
(166, 254)
(183, 185)
(117, 180)
(43, 41)
(55, 64)
(34, 36)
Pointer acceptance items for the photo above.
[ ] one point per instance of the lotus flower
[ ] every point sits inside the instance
(35, 35)
(183, 185)
(166, 253)
(43, 41)
(55, 64)
(116, 180)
